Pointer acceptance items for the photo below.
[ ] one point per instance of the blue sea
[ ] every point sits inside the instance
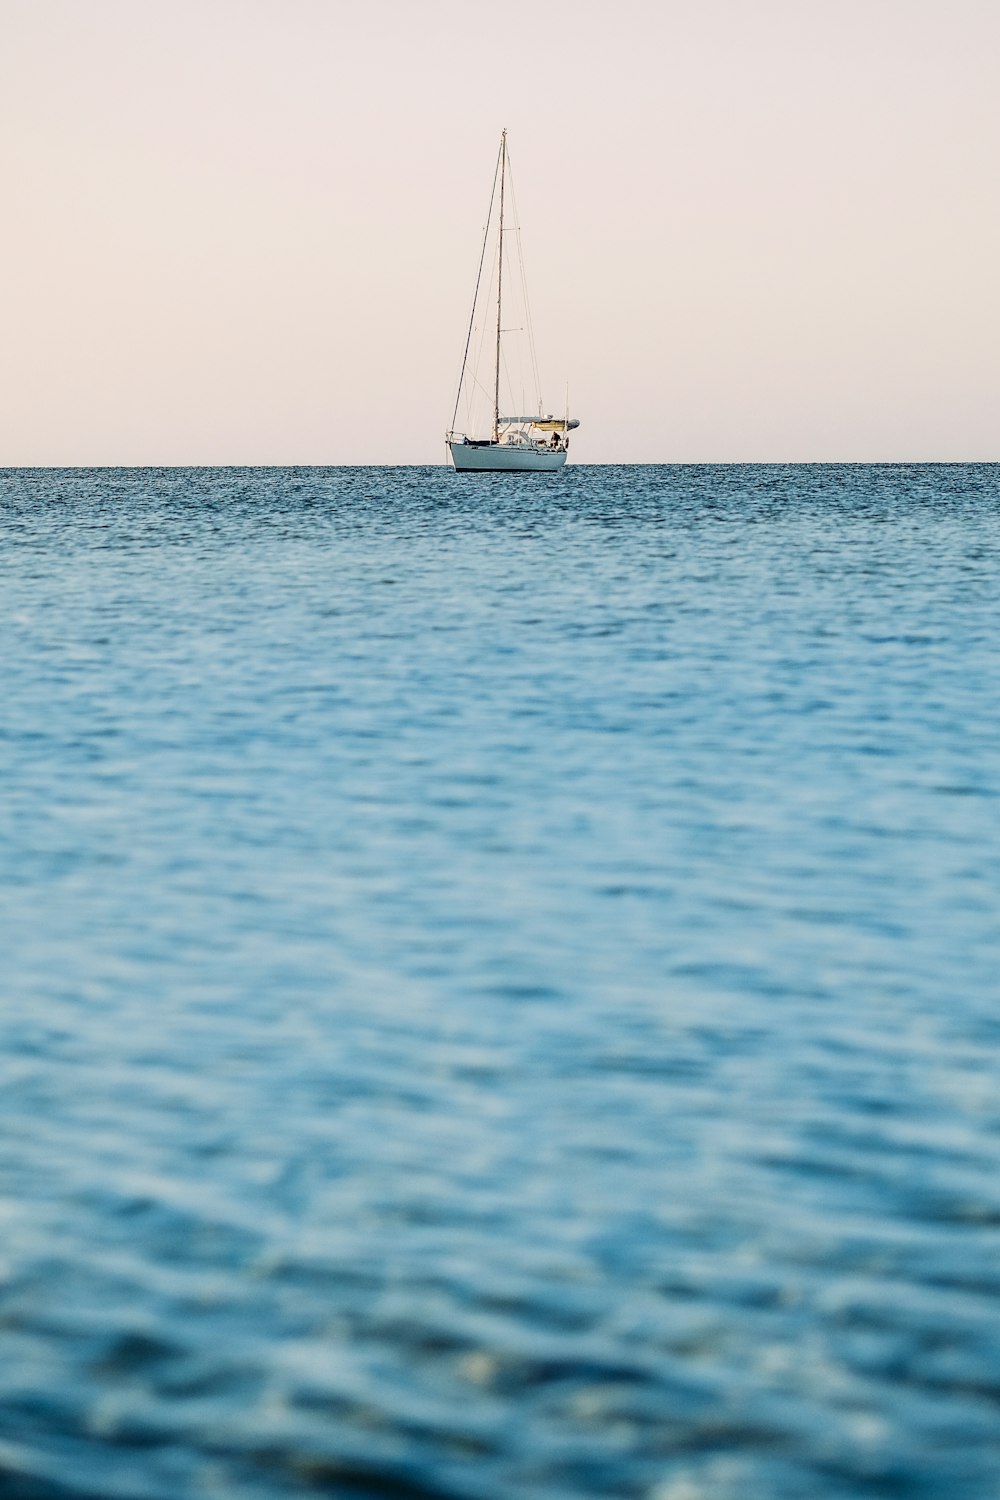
(501, 984)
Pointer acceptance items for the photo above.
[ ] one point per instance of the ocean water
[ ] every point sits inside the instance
(501, 984)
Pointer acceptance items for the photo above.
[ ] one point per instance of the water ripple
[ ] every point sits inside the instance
(500, 984)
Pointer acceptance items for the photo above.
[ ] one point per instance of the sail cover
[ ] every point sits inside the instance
(545, 424)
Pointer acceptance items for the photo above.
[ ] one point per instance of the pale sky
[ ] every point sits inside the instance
(245, 231)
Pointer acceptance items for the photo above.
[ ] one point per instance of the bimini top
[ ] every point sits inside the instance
(546, 424)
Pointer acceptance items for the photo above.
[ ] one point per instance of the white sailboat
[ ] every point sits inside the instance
(512, 443)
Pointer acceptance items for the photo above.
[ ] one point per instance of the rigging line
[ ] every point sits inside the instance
(487, 329)
(476, 385)
(478, 361)
(510, 383)
(524, 292)
(482, 257)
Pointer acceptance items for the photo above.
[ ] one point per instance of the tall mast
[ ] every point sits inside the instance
(496, 382)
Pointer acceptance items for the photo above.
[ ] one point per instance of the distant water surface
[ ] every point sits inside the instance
(501, 984)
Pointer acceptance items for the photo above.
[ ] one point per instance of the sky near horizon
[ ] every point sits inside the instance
(246, 231)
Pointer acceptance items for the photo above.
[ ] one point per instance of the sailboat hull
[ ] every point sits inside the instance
(471, 458)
